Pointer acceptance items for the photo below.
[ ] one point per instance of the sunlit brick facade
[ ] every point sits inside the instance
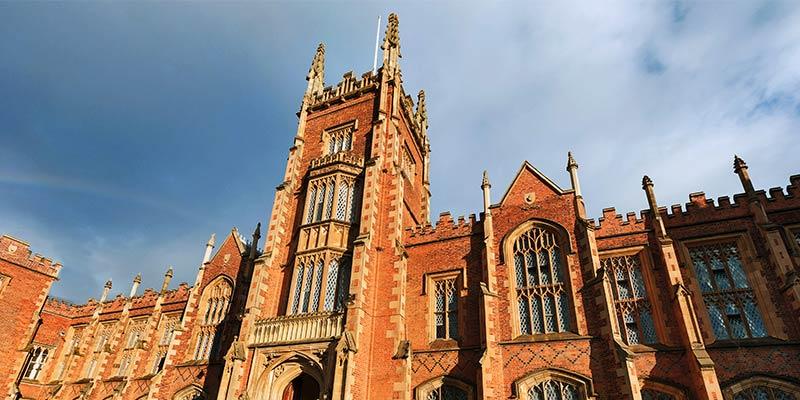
(356, 295)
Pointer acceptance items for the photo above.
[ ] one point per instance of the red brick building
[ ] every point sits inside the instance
(356, 295)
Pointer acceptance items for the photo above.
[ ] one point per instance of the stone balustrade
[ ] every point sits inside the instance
(308, 327)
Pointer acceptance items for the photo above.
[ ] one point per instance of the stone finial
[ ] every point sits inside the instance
(170, 273)
(392, 37)
(738, 164)
(212, 240)
(646, 181)
(138, 278)
(135, 287)
(571, 163)
(317, 63)
(422, 112)
(167, 278)
(485, 181)
(257, 233)
(108, 284)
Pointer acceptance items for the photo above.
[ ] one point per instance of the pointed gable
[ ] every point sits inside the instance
(530, 186)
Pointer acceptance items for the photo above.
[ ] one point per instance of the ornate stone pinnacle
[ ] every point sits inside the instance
(212, 240)
(108, 284)
(571, 161)
(257, 232)
(485, 181)
(422, 111)
(318, 63)
(392, 38)
(738, 164)
(646, 181)
(169, 272)
(138, 278)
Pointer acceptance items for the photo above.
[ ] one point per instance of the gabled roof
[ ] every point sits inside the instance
(526, 166)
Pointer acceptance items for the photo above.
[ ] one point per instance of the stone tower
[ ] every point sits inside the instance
(326, 304)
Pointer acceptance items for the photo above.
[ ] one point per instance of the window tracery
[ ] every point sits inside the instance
(310, 278)
(762, 388)
(633, 308)
(216, 300)
(727, 293)
(445, 309)
(542, 299)
(652, 394)
(553, 384)
(340, 139)
(331, 197)
(444, 388)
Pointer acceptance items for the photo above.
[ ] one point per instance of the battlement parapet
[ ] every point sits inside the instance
(349, 87)
(58, 306)
(445, 228)
(19, 252)
(701, 209)
(340, 157)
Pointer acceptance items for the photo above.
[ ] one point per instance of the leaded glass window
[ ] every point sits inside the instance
(341, 201)
(634, 312)
(542, 299)
(340, 140)
(331, 284)
(317, 285)
(445, 312)
(446, 392)
(37, 356)
(763, 392)
(320, 203)
(343, 286)
(312, 200)
(650, 394)
(796, 236)
(307, 286)
(727, 294)
(553, 390)
(298, 288)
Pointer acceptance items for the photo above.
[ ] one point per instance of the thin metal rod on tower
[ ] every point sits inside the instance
(377, 37)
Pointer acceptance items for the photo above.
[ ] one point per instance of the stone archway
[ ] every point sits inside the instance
(303, 387)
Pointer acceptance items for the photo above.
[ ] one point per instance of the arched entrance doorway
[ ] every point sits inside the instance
(304, 387)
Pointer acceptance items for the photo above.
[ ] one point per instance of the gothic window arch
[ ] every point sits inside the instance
(190, 393)
(339, 139)
(726, 288)
(762, 388)
(215, 303)
(535, 252)
(658, 391)
(444, 388)
(37, 357)
(554, 384)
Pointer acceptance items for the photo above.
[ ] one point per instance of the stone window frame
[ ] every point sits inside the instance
(755, 277)
(430, 279)
(44, 354)
(330, 203)
(759, 380)
(209, 325)
(676, 393)
(791, 231)
(346, 129)
(567, 251)
(422, 390)
(344, 263)
(583, 383)
(651, 287)
(72, 344)
(408, 166)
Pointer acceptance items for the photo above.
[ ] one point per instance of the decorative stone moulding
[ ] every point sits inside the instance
(310, 327)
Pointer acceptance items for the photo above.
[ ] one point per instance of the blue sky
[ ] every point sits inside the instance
(131, 131)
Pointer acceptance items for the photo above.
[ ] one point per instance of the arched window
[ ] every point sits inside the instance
(652, 390)
(540, 280)
(762, 388)
(727, 293)
(650, 394)
(553, 384)
(37, 356)
(331, 197)
(216, 301)
(444, 388)
(190, 393)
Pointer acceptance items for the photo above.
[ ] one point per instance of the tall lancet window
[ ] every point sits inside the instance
(634, 312)
(215, 303)
(320, 284)
(727, 293)
(540, 276)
